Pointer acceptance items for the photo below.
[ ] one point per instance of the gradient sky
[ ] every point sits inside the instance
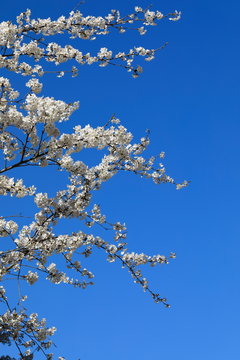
(189, 99)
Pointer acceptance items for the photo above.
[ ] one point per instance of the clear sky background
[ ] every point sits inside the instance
(189, 99)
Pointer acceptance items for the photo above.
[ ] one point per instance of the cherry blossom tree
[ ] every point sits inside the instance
(30, 136)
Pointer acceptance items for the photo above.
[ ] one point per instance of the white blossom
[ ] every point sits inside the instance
(32, 277)
(34, 85)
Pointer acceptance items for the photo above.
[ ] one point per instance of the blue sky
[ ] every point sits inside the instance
(189, 99)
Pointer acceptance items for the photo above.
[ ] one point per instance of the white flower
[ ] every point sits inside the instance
(2, 291)
(32, 277)
(34, 85)
(182, 185)
(176, 17)
(138, 9)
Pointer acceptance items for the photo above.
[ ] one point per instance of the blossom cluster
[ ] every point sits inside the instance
(26, 331)
(21, 40)
(14, 188)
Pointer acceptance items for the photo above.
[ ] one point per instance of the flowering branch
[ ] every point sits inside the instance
(30, 136)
